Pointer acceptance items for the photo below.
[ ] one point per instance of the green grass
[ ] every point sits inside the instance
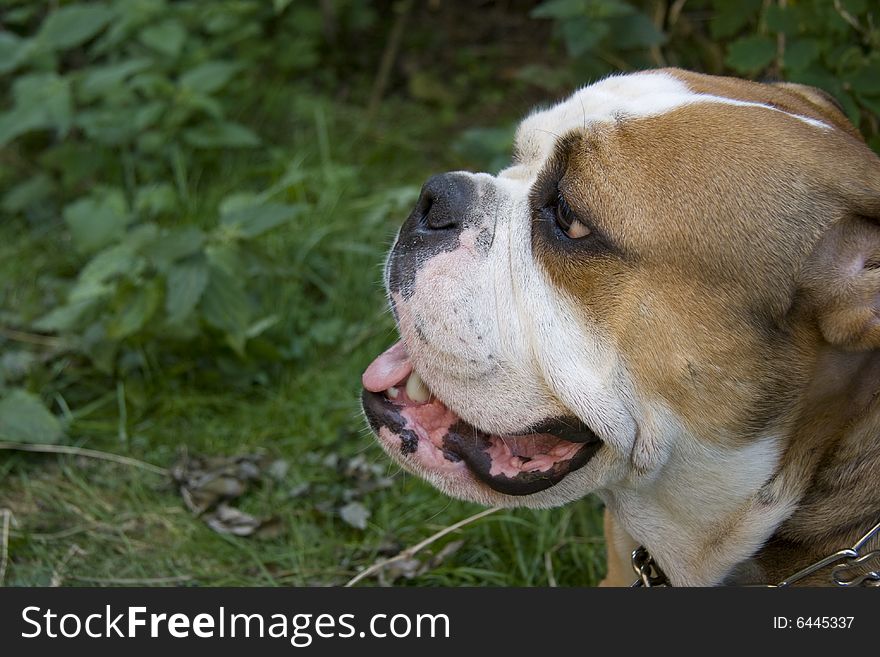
(84, 521)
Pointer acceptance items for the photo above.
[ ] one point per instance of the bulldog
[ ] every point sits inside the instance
(671, 299)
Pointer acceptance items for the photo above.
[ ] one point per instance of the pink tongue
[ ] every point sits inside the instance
(389, 369)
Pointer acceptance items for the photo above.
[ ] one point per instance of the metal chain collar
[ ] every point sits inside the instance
(647, 570)
(849, 566)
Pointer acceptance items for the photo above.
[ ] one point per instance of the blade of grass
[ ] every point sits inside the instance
(4, 543)
(81, 451)
(412, 551)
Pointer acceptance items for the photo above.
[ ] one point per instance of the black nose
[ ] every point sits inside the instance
(443, 203)
(447, 204)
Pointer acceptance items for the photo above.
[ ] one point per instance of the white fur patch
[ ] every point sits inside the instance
(612, 99)
(700, 514)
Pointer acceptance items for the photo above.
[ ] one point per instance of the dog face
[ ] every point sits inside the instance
(626, 309)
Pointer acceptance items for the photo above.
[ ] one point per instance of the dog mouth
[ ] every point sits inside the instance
(400, 407)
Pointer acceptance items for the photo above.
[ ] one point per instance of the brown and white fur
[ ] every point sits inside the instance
(714, 321)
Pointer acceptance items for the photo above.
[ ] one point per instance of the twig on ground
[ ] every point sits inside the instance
(81, 451)
(548, 566)
(62, 534)
(848, 17)
(675, 12)
(4, 542)
(58, 573)
(660, 13)
(132, 581)
(122, 413)
(30, 338)
(410, 552)
(388, 57)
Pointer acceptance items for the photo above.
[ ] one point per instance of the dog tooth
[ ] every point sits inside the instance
(392, 392)
(416, 389)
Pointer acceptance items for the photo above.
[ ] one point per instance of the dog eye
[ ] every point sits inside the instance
(566, 220)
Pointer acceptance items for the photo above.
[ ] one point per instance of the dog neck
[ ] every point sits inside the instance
(830, 466)
(758, 513)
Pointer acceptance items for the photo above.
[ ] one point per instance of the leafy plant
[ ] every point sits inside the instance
(121, 108)
(23, 418)
(137, 151)
(602, 33)
(833, 45)
(143, 280)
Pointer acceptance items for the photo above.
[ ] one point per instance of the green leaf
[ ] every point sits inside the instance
(184, 286)
(781, 20)
(558, 9)
(95, 221)
(209, 77)
(47, 94)
(18, 121)
(21, 15)
(192, 103)
(148, 115)
(99, 80)
(166, 37)
(106, 125)
(240, 201)
(256, 220)
(27, 193)
(13, 51)
(261, 326)
(583, 35)
(225, 306)
(137, 306)
(174, 245)
(854, 7)
(119, 260)
(152, 84)
(635, 31)
(730, 17)
(24, 419)
(873, 105)
(106, 265)
(42, 101)
(568, 9)
(141, 236)
(101, 350)
(156, 199)
(866, 80)
(73, 25)
(801, 53)
(228, 256)
(66, 317)
(751, 54)
(221, 135)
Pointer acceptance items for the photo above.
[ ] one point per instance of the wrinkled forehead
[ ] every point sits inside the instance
(694, 177)
(620, 98)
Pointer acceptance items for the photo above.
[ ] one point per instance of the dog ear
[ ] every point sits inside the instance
(824, 103)
(843, 279)
(814, 95)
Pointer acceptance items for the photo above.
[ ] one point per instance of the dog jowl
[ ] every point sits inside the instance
(671, 299)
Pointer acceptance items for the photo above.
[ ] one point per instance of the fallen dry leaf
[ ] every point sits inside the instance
(412, 567)
(355, 514)
(208, 483)
(205, 481)
(227, 519)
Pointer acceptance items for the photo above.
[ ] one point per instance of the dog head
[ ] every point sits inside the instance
(637, 303)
